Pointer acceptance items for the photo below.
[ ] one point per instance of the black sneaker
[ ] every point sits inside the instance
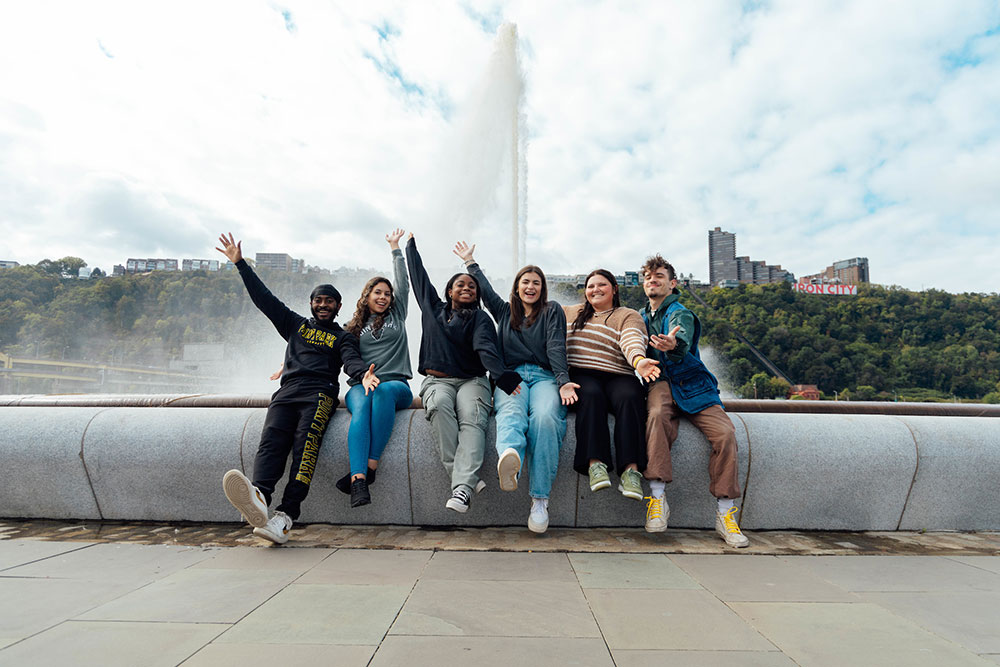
(359, 492)
(344, 483)
(460, 499)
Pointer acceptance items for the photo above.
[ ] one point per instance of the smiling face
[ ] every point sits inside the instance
(324, 308)
(380, 298)
(529, 289)
(463, 291)
(600, 292)
(658, 283)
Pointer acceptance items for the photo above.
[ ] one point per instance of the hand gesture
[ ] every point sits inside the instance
(648, 369)
(567, 393)
(665, 343)
(370, 381)
(231, 248)
(464, 251)
(392, 238)
(277, 374)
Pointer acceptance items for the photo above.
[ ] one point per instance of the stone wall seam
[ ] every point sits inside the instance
(83, 461)
(746, 484)
(243, 437)
(916, 469)
(409, 462)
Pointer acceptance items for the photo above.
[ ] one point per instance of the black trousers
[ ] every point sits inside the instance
(623, 396)
(296, 421)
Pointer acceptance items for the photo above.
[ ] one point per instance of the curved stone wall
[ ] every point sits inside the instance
(799, 470)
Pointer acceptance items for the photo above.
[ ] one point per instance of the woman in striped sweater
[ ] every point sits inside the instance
(606, 350)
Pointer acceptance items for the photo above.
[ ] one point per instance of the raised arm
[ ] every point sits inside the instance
(401, 284)
(281, 316)
(420, 282)
(494, 302)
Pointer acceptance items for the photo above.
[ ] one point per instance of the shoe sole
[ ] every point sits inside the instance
(743, 545)
(240, 492)
(666, 518)
(269, 536)
(507, 469)
(597, 486)
(537, 527)
(457, 506)
(629, 494)
(362, 502)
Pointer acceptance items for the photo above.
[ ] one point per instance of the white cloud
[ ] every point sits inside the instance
(815, 131)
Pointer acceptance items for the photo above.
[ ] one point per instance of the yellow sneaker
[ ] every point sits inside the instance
(657, 513)
(726, 526)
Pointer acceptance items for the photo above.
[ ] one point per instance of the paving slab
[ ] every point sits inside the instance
(492, 651)
(379, 568)
(991, 563)
(119, 563)
(859, 633)
(671, 619)
(994, 657)
(968, 619)
(321, 614)
(760, 578)
(43, 603)
(629, 571)
(108, 644)
(196, 596)
(902, 573)
(496, 608)
(269, 655)
(499, 567)
(630, 658)
(21, 552)
(253, 558)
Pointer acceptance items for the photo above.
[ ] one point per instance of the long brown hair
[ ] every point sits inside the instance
(362, 312)
(588, 310)
(517, 317)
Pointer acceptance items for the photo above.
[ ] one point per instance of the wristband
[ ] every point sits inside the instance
(635, 364)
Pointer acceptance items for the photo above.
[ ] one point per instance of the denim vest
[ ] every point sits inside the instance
(692, 385)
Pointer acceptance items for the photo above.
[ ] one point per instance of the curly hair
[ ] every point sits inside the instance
(362, 312)
(657, 262)
(588, 310)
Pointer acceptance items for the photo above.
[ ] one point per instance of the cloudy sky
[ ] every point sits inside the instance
(816, 131)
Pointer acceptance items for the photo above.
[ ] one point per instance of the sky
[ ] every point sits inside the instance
(815, 131)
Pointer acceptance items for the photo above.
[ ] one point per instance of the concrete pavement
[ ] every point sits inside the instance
(136, 594)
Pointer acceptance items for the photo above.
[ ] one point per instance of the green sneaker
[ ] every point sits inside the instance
(599, 476)
(631, 484)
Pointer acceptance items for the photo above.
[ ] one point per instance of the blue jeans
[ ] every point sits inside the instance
(533, 422)
(372, 417)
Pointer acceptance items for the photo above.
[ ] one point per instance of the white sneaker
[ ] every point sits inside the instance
(657, 513)
(276, 529)
(507, 468)
(480, 486)
(538, 518)
(245, 497)
(726, 526)
(459, 500)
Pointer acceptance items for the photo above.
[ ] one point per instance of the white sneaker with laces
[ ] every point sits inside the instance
(245, 497)
(726, 526)
(657, 514)
(507, 468)
(538, 518)
(460, 499)
(276, 529)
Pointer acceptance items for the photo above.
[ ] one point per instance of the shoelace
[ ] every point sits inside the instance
(729, 521)
(654, 508)
(462, 495)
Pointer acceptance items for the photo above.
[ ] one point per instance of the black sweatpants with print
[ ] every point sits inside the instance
(296, 421)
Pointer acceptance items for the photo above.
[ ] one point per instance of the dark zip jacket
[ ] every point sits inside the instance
(316, 351)
(459, 343)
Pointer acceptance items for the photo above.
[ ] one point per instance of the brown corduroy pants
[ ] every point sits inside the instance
(663, 417)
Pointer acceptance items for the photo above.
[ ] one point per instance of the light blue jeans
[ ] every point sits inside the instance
(533, 422)
(372, 417)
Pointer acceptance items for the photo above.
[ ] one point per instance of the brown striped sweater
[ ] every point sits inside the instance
(610, 341)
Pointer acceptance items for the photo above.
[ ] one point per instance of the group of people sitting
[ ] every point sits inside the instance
(537, 359)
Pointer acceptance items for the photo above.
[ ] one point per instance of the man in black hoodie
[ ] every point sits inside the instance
(300, 410)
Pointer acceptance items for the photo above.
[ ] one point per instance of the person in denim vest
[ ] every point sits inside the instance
(685, 387)
(530, 424)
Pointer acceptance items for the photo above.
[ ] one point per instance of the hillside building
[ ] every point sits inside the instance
(724, 267)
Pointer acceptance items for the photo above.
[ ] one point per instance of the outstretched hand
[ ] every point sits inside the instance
(648, 369)
(665, 343)
(567, 393)
(392, 238)
(231, 248)
(276, 375)
(464, 251)
(370, 381)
